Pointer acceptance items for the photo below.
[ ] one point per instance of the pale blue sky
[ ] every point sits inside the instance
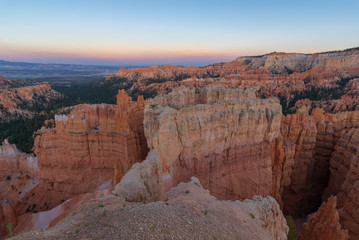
(179, 32)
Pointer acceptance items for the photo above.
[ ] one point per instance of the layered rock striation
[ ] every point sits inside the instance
(92, 144)
(225, 137)
(90, 149)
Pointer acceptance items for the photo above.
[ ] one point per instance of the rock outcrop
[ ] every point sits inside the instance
(324, 224)
(92, 144)
(15, 101)
(225, 137)
(316, 137)
(273, 66)
(289, 76)
(91, 147)
(189, 212)
(344, 179)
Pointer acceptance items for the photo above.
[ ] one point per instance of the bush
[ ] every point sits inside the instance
(292, 234)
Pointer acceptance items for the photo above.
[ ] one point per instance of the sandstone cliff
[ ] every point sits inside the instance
(90, 148)
(324, 224)
(225, 137)
(92, 144)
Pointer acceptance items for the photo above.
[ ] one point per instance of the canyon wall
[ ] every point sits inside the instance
(89, 149)
(315, 136)
(225, 137)
(92, 144)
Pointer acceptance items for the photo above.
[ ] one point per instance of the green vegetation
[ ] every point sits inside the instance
(9, 229)
(20, 131)
(77, 230)
(101, 205)
(153, 226)
(252, 215)
(292, 234)
(148, 93)
(314, 94)
(104, 211)
(205, 211)
(187, 191)
(92, 91)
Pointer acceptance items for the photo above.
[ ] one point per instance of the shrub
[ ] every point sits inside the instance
(9, 228)
(292, 234)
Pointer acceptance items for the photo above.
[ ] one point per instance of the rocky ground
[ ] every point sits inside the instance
(189, 213)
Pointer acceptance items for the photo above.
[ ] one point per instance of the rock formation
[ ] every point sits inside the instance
(92, 144)
(189, 212)
(315, 136)
(324, 224)
(273, 66)
(344, 179)
(289, 76)
(225, 137)
(15, 100)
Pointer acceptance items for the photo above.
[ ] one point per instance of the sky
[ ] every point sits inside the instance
(196, 32)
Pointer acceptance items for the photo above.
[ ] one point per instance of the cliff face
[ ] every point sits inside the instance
(15, 100)
(344, 179)
(17, 171)
(225, 137)
(316, 137)
(91, 145)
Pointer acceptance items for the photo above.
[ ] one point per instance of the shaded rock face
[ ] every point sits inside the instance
(316, 137)
(142, 183)
(91, 145)
(324, 224)
(344, 179)
(17, 171)
(222, 136)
